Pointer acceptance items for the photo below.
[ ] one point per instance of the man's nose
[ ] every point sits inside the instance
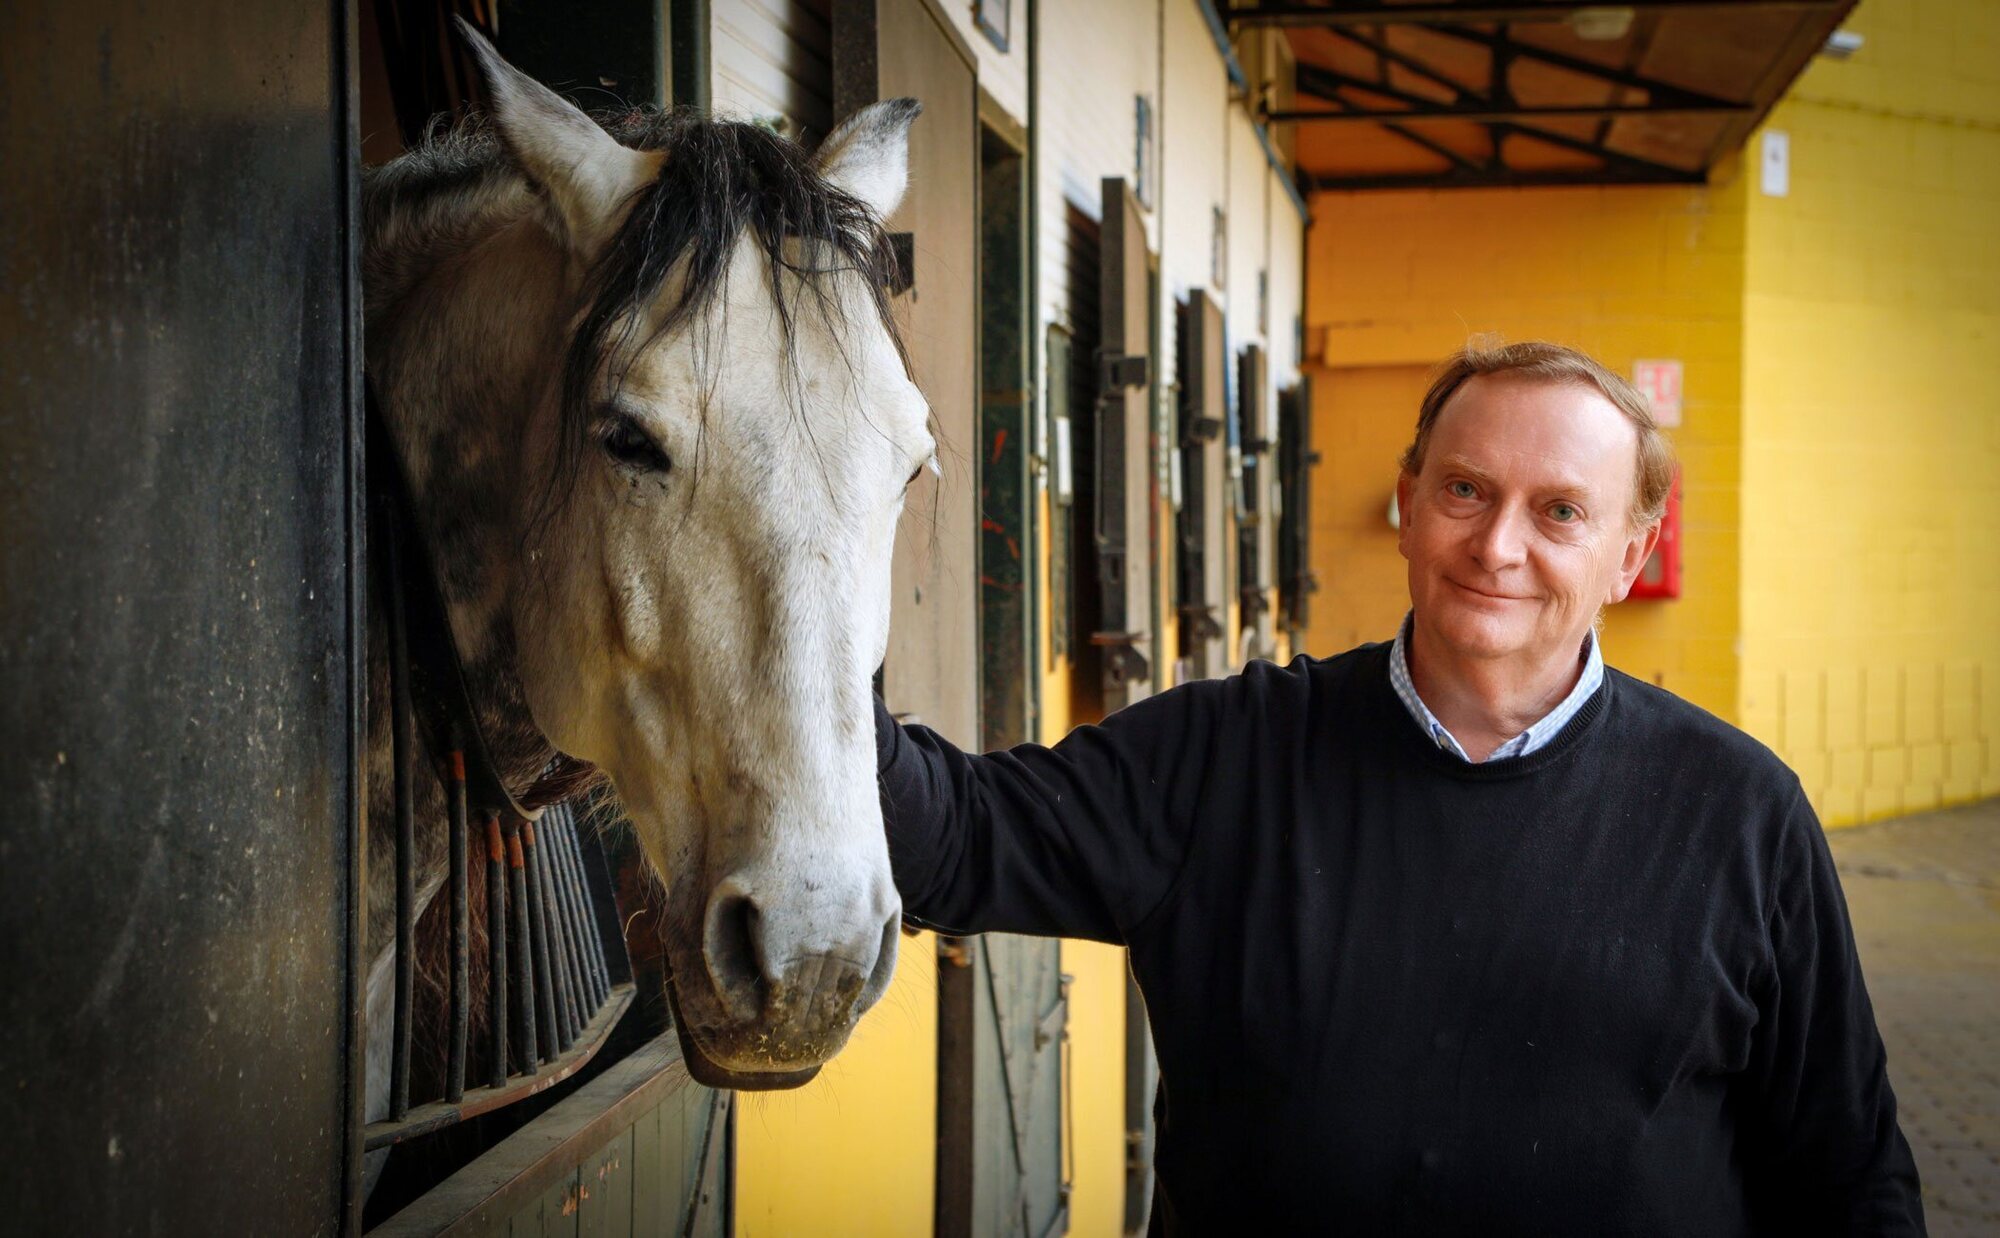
(1502, 543)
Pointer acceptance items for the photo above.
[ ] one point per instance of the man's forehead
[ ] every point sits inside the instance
(1568, 430)
(1553, 410)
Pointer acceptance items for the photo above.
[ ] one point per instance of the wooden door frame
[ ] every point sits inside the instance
(1126, 620)
(1009, 600)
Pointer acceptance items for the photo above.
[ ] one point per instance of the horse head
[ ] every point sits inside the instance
(661, 423)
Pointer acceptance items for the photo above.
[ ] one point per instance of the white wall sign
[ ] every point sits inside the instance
(1660, 383)
(1776, 164)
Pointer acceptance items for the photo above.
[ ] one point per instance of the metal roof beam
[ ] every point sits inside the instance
(1437, 148)
(1473, 106)
(1633, 165)
(1482, 115)
(1459, 90)
(1378, 12)
(1324, 83)
(1483, 178)
(1658, 91)
(1327, 83)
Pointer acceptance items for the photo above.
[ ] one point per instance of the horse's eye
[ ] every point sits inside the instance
(631, 446)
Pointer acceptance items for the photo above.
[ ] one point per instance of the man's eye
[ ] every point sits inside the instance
(1563, 512)
(1462, 490)
(632, 447)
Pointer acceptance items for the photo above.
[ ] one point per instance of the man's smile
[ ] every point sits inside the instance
(1481, 593)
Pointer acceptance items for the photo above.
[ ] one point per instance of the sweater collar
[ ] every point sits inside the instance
(1538, 733)
(1398, 731)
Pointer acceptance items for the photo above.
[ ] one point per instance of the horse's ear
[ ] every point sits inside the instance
(585, 172)
(869, 154)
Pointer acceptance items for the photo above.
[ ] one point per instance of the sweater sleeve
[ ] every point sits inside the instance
(1827, 1156)
(1083, 839)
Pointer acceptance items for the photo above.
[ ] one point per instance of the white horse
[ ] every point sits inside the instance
(659, 427)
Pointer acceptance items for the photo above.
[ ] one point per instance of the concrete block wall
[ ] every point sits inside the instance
(1361, 424)
(1871, 422)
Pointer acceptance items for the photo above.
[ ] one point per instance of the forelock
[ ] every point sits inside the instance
(723, 183)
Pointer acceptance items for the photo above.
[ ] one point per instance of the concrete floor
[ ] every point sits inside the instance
(1924, 894)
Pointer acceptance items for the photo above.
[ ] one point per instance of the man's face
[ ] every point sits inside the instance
(1518, 529)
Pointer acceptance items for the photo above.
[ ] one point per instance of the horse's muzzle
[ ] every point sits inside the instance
(769, 1001)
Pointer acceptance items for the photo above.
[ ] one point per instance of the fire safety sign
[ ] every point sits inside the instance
(1660, 381)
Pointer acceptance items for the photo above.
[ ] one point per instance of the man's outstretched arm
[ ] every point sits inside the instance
(1083, 839)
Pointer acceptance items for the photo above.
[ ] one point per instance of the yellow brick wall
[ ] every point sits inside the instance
(1361, 423)
(1871, 424)
(1395, 281)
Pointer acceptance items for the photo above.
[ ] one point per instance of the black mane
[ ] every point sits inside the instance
(722, 180)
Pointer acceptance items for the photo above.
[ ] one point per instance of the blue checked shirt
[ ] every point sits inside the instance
(1521, 745)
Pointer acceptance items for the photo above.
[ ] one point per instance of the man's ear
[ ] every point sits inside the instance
(1405, 483)
(868, 156)
(584, 172)
(1638, 548)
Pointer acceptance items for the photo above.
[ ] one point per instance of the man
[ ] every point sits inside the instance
(1464, 932)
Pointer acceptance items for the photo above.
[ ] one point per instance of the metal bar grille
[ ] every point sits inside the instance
(403, 741)
(496, 955)
(550, 1000)
(567, 997)
(524, 968)
(592, 941)
(538, 932)
(461, 935)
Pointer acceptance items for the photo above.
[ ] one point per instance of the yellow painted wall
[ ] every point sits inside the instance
(1361, 424)
(1396, 281)
(854, 1152)
(1871, 462)
(1097, 1087)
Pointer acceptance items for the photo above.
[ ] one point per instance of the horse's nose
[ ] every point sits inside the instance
(759, 958)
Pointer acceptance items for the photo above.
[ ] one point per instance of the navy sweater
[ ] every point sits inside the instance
(1606, 988)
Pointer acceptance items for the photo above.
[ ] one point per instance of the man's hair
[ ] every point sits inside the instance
(1553, 363)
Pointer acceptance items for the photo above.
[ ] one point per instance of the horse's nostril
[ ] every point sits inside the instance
(734, 950)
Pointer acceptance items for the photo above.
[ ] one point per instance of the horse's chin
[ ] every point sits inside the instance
(707, 1072)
